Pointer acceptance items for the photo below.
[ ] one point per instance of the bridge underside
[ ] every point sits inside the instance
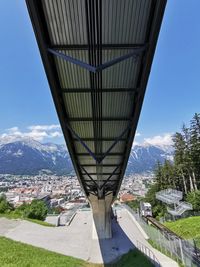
(97, 56)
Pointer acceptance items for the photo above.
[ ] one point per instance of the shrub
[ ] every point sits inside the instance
(5, 206)
(36, 210)
(194, 199)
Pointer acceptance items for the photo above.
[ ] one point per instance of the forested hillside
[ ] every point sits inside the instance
(184, 173)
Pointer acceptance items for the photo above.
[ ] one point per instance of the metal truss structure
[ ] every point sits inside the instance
(174, 197)
(97, 55)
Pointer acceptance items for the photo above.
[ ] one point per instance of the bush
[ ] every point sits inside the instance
(134, 204)
(36, 210)
(21, 210)
(5, 206)
(194, 199)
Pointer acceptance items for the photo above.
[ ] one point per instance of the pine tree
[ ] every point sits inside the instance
(187, 155)
(195, 149)
(179, 147)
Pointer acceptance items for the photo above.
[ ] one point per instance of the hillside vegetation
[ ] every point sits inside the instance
(184, 173)
(35, 212)
(188, 228)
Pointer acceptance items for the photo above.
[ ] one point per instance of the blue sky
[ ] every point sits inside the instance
(172, 96)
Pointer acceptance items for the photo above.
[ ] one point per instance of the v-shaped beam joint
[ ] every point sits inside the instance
(136, 52)
(99, 159)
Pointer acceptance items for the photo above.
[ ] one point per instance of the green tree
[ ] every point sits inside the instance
(195, 149)
(179, 147)
(22, 209)
(158, 209)
(159, 176)
(194, 199)
(184, 173)
(36, 210)
(5, 206)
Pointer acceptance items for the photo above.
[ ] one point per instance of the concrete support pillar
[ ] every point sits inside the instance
(101, 209)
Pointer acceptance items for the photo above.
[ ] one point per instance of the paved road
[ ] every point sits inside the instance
(7, 225)
(76, 239)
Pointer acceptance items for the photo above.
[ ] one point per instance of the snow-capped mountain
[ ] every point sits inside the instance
(27, 156)
(143, 158)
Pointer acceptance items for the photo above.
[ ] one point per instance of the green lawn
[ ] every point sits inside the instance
(16, 254)
(132, 259)
(188, 228)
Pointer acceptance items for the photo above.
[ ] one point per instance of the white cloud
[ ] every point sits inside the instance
(44, 132)
(137, 134)
(36, 132)
(13, 129)
(44, 127)
(160, 140)
(56, 134)
(135, 144)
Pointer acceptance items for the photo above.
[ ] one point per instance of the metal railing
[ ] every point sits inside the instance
(179, 249)
(169, 196)
(180, 209)
(149, 253)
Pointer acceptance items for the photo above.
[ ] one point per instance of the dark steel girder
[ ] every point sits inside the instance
(100, 139)
(104, 46)
(136, 53)
(100, 173)
(99, 155)
(103, 119)
(102, 165)
(103, 90)
(89, 181)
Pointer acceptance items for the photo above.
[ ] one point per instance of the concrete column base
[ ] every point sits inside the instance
(101, 209)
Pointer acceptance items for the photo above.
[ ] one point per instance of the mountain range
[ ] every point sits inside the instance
(29, 157)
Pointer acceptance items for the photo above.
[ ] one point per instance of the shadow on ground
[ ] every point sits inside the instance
(120, 251)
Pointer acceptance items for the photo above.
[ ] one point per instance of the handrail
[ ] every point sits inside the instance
(149, 253)
(186, 204)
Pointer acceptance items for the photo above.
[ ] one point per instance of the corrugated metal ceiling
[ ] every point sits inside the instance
(98, 111)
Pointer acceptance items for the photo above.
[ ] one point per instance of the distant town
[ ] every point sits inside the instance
(60, 191)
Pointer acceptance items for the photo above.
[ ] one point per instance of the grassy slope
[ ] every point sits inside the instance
(14, 254)
(131, 259)
(18, 254)
(188, 228)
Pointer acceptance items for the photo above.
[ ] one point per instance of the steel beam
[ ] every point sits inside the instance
(104, 46)
(72, 60)
(101, 165)
(100, 173)
(111, 175)
(99, 155)
(103, 90)
(100, 139)
(116, 141)
(80, 140)
(89, 181)
(102, 119)
(136, 52)
(89, 175)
